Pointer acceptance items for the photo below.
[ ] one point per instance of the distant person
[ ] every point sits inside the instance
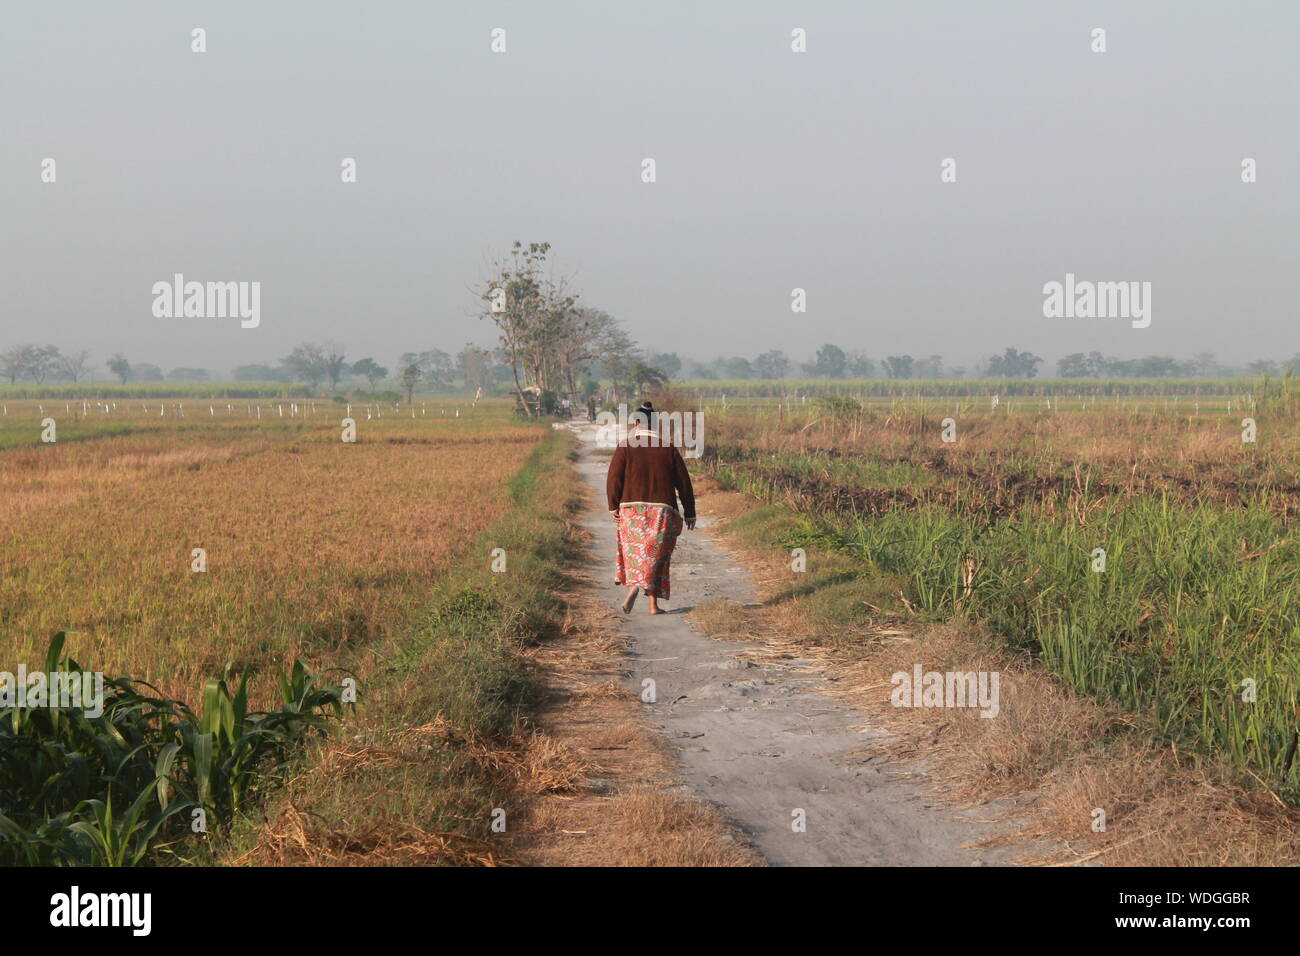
(642, 488)
(591, 408)
(564, 407)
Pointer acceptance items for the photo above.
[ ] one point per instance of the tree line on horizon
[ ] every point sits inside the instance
(309, 363)
(550, 346)
(833, 362)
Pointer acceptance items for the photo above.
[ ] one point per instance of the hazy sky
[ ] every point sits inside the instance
(776, 170)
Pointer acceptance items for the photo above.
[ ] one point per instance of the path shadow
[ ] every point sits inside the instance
(803, 590)
(751, 606)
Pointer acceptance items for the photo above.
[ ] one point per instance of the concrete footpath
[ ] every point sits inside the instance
(760, 738)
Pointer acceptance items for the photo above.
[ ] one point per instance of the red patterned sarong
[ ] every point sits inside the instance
(647, 535)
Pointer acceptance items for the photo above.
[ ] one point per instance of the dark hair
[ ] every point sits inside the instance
(646, 407)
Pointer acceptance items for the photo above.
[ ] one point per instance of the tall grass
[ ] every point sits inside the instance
(1194, 621)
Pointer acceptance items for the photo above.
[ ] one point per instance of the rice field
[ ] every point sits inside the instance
(1145, 554)
(314, 548)
(225, 566)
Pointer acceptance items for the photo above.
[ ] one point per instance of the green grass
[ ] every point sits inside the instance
(1195, 600)
(468, 641)
(460, 665)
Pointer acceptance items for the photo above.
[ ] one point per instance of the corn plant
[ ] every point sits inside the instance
(65, 777)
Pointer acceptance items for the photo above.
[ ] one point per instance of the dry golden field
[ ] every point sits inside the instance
(314, 547)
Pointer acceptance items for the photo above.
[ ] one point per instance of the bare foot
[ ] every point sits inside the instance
(631, 599)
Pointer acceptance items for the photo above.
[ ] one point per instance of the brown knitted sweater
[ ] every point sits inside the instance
(650, 475)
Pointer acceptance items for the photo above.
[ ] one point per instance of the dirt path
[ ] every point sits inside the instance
(758, 736)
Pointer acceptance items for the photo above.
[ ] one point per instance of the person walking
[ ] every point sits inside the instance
(645, 480)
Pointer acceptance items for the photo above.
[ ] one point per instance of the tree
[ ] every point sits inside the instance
(370, 370)
(120, 367)
(830, 362)
(306, 363)
(668, 361)
(472, 363)
(1074, 365)
(516, 300)
(1203, 363)
(1014, 364)
(41, 361)
(577, 332)
(772, 364)
(859, 366)
(75, 365)
(410, 378)
(899, 366)
(437, 368)
(14, 361)
(735, 367)
(929, 367)
(333, 365)
(145, 372)
(645, 377)
(610, 348)
(707, 373)
(549, 342)
(1099, 366)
